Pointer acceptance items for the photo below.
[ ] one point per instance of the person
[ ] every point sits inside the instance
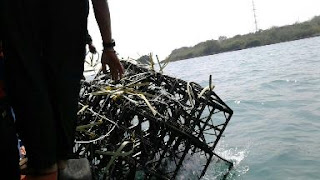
(91, 47)
(109, 57)
(23, 158)
(8, 150)
(43, 75)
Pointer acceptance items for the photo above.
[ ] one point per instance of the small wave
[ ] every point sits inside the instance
(281, 82)
(234, 155)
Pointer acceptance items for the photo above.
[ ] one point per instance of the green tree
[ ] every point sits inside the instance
(263, 37)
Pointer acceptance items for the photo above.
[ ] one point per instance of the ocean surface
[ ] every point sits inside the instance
(274, 92)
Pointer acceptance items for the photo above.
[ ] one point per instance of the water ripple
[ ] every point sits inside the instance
(274, 92)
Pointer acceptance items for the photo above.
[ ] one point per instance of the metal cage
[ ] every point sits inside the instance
(148, 125)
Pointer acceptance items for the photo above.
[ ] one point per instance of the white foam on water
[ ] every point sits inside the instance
(235, 155)
(194, 164)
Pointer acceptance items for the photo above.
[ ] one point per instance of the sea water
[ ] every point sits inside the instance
(274, 92)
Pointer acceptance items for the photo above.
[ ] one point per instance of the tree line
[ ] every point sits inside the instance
(272, 35)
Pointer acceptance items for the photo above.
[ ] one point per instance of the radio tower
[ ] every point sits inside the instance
(255, 16)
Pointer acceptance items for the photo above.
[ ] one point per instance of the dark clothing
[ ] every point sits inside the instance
(8, 148)
(88, 37)
(44, 45)
(2, 92)
(9, 143)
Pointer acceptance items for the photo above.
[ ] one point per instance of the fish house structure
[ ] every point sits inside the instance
(148, 125)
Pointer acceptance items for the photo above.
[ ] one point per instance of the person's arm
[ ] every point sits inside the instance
(109, 57)
(88, 38)
(91, 47)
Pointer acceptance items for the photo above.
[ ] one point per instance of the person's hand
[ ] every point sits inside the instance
(23, 151)
(92, 48)
(110, 58)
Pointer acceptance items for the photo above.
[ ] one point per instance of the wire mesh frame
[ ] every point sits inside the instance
(182, 125)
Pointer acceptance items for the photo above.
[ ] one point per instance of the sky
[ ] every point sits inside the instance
(140, 27)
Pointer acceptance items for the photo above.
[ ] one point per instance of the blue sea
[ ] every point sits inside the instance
(274, 92)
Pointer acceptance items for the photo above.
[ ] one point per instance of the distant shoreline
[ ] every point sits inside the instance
(270, 36)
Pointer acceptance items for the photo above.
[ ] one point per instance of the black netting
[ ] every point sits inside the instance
(148, 125)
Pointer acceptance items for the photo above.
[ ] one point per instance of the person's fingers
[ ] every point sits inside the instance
(115, 66)
(115, 70)
(103, 67)
(113, 73)
(118, 74)
(121, 71)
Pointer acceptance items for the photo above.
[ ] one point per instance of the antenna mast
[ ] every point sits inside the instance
(255, 16)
